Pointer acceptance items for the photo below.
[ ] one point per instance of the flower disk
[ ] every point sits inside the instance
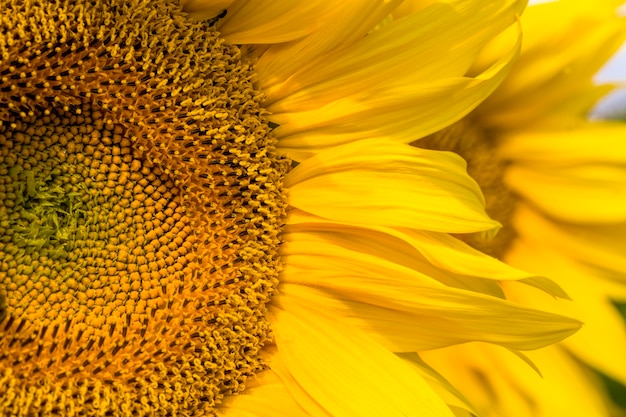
(140, 210)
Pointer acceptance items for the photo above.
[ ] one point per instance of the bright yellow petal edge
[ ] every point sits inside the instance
(563, 182)
(189, 184)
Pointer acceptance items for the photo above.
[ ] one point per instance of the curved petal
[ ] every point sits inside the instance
(591, 305)
(401, 112)
(388, 246)
(576, 175)
(297, 391)
(586, 193)
(452, 396)
(271, 21)
(411, 310)
(439, 42)
(384, 183)
(438, 255)
(357, 18)
(598, 247)
(587, 143)
(371, 380)
(265, 396)
(502, 385)
(558, 60)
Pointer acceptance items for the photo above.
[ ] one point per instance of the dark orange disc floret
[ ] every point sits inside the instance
(141, 206)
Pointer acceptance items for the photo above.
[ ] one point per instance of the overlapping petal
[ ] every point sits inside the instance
(565, 44)
(568, 177)
(347, 22)
(539, 251)
(413, 311)
(439, 42)
(578, 175)
(597, 247)
(273, 22)
(376, 272)
(502, 385)
(438, 255)
(379, 182)
(253, 402)
(401, 112)
(352, 374)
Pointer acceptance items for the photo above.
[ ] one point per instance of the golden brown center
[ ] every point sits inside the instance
(468, 140)
(140, 211)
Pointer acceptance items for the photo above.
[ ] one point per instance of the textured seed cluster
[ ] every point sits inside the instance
(468, 140)
(141, 207)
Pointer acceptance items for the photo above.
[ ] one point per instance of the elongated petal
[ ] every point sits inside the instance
(384, 183)
(452, 396)
(265, 396)
(205, 9)
(452, 254)
(389, 244)
(353, 375)
(439, 42)
(591, 305)
(502, 385)
(600, 248)
(298, 392)
(558, 60)
(399, 112)
(576, 175)
(438, 255)
(587, 143)
(583, 193)
(357, 18)
(270, 21)
(409, 308)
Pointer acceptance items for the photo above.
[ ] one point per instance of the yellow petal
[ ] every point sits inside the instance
(352, 375)
(438, 255)
(559, 58)
(577, 175)
(265, 396)
(384, 183)
(399, 112)
(411, 6)
(357, 18)
(602, 340)
(270, 21)
(451, 254)
(582, 193)
(598, 247)
(587, 143)
(205, 9)
(297, 391)
(389, 244)
(439, 42)
(502, 385)
(411, 310)
(452, 396)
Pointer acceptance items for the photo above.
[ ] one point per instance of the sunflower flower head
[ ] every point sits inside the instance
(160, 255)
(140, 211)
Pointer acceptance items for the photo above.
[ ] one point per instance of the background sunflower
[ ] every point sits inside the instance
(532, 147)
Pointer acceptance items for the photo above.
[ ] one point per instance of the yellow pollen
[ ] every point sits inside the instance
(468, 140)
(141, 206)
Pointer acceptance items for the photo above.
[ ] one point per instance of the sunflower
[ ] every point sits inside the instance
(556, 181)
(220, 214)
